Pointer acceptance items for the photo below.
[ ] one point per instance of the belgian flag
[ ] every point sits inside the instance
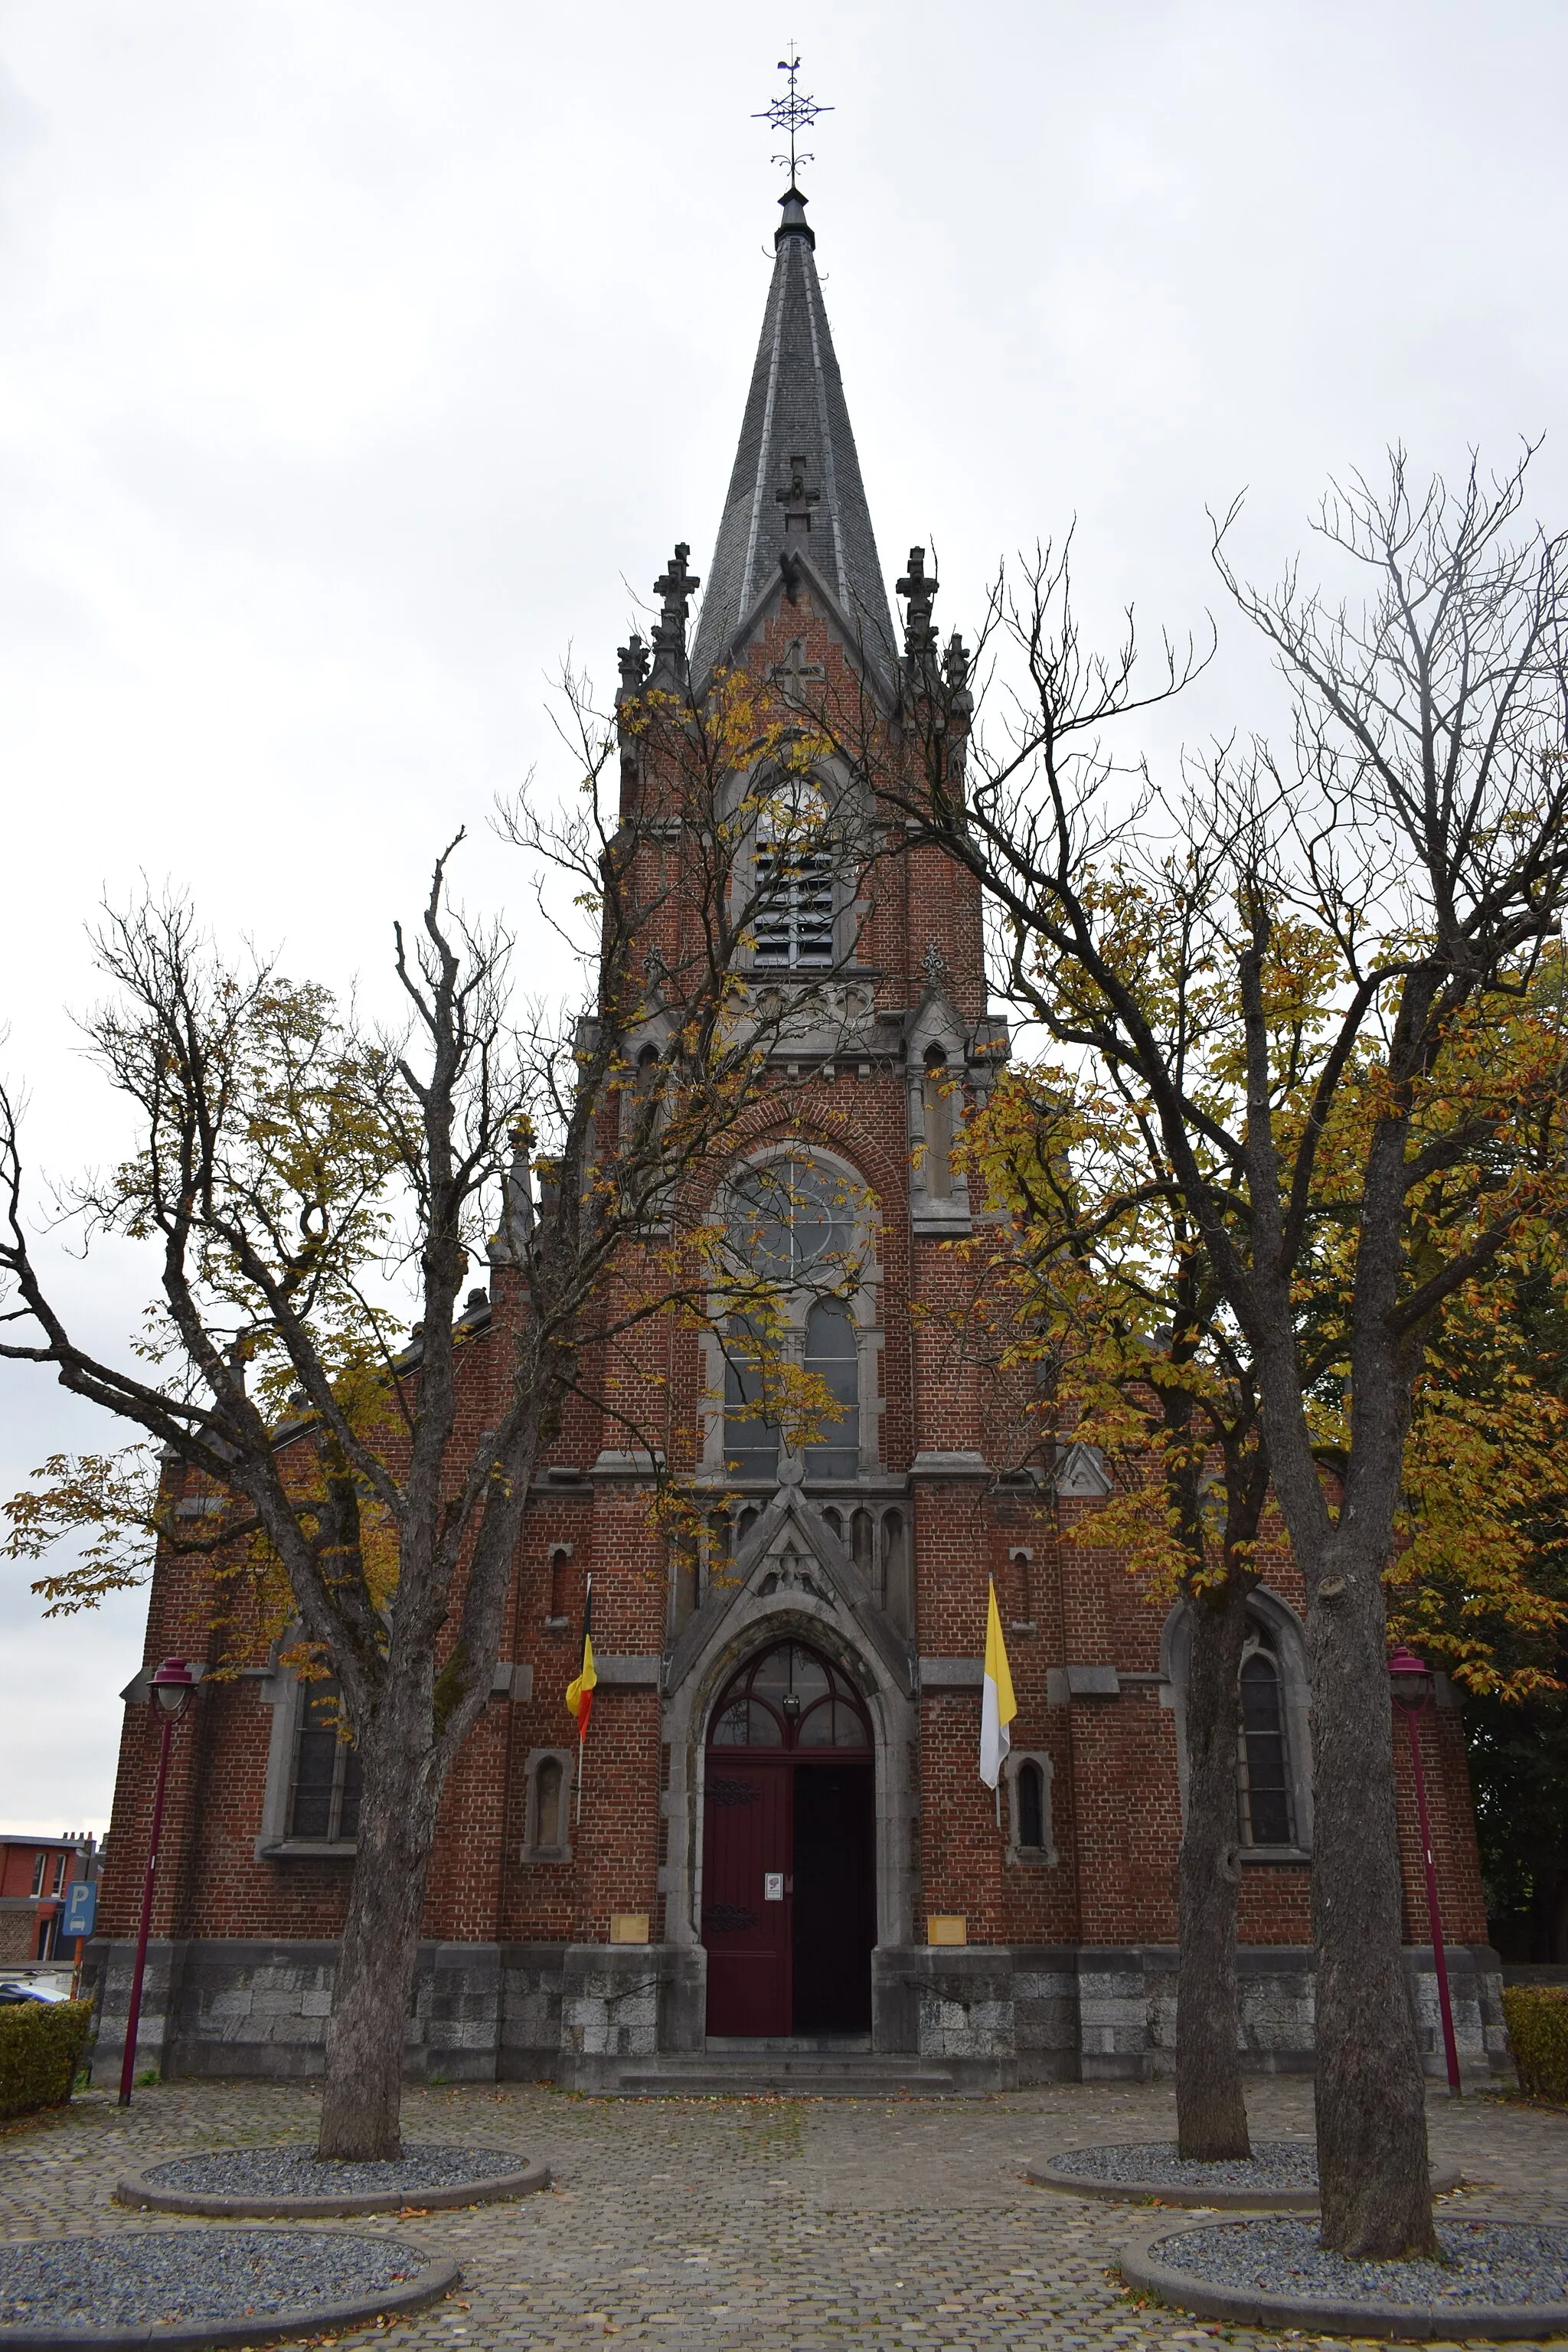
(580, 1688)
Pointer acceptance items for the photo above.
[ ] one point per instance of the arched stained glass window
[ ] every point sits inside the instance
(790, 1697)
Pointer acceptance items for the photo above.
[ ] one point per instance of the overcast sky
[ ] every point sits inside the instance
(358, 354)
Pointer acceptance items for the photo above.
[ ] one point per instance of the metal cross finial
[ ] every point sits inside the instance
(792, 113)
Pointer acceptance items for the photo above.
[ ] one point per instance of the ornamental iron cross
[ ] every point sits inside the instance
(792, 113)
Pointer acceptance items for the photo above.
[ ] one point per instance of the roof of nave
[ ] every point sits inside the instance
(796, 483)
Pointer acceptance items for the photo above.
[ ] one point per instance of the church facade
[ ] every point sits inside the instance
(774, 1861)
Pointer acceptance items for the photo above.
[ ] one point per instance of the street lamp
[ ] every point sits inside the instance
(172, 1686)
(1411, 1682)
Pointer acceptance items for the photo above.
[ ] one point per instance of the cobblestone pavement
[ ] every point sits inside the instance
(759, 2223)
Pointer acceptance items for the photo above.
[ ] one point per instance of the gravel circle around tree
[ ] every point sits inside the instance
(1496, 2279)
(187, 2287)
(1281, 2173)
(294, 2180)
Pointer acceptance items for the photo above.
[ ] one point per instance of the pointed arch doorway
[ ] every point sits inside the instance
(789, 1877)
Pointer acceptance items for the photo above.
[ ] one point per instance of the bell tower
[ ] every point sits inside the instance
(792, 1697)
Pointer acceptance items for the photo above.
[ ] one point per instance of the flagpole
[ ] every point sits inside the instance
(584, 1687)
(997, 1703)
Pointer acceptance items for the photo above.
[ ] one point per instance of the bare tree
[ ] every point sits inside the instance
(1400, 881)
(287, 1161)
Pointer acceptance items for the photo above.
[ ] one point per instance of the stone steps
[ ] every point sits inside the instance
(816, 2074)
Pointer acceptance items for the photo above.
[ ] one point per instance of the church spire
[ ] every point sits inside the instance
(795, 489)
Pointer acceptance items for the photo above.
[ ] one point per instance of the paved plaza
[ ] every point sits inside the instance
(758, 2223)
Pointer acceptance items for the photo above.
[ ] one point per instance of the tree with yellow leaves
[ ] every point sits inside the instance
(1404, 872)
(1104, 1291)
(294, 1169)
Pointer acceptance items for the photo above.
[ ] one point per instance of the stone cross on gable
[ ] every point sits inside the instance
(797, 498)
(675, 588)
(795, 669)
(919, 593)
(633, 659)
(955, 677)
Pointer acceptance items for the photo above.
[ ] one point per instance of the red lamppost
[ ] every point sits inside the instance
(1411, 1681)
(172, 1686)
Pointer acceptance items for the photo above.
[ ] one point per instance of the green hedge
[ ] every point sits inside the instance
(1538, 2028)
(41, 2044)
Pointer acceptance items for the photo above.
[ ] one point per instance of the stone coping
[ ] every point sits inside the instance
(1322, 2314)
(1044, 2174)
(137, 2189)
(437, 2275)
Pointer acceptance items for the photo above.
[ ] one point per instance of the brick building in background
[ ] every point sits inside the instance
(781, 1838)
(35, 1873)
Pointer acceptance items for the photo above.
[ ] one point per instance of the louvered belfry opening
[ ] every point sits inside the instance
(793, 923)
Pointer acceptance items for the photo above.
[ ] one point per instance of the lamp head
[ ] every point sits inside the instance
(171, 1685)
(1410, 1679)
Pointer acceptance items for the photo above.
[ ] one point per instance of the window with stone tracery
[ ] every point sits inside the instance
(1273, 1745)
(797, 1225)
(790, 1697)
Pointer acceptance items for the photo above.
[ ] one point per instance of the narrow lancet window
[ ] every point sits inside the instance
(831, 1354)
(547, 1803)
(751, 1434)
(1031, 1787)
(938, 1103)
(1264, 1780)
(325, 1800)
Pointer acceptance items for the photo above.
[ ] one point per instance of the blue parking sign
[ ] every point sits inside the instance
(80, 1911)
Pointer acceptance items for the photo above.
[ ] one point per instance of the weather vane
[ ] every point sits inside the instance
(792, 113)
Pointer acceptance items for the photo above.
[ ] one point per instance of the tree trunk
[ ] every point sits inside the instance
(1371, 2092)
(1211, 2114)
(362, 2095)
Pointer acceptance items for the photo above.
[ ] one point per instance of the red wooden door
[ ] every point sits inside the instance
(745, 1909)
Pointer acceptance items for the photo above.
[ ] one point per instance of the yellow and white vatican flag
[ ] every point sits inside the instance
(997, 1704)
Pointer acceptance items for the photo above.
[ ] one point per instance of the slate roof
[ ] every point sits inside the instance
(795, 410)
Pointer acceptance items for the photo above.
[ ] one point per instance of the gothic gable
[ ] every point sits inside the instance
(791, 1560)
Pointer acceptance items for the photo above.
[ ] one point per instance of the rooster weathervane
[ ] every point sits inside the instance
(794, 112)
